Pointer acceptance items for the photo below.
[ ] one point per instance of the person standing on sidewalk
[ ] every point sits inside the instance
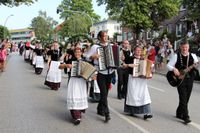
(3, 56)
(178, 62)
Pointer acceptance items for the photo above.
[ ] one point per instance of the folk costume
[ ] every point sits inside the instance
(53, 77)
(104, 80)
(180, 62)
(138, 99)
(27, 51)
(39, 63)
(123, 76)
(77, 101)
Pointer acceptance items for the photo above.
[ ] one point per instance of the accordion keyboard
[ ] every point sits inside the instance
(102, 63)
(75, 68)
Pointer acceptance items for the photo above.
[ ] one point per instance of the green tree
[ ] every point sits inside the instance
(4, 33)
(141, 14)
(43, 26)
(16, 2)
(78, 15)
(193, 7)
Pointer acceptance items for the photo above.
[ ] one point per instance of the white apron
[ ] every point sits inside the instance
(26, 54)
(39, 62)
(77, 94)
(34, 59)
(54, 73)
(137, 92)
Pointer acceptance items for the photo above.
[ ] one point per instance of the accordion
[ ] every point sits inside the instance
(143, 68)
(82, 69)
(109, 57)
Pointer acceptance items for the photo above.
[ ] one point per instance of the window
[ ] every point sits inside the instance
(148, 35)
(178, 30)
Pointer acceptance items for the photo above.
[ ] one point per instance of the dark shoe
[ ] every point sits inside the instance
(77, 121)
(107, 118)
(147, 116)
(100, 113)
(187, 120)
(119, 97)
(179, 117)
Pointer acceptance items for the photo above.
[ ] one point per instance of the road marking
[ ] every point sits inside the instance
(129, 121)
(195, 125)
(161, 90)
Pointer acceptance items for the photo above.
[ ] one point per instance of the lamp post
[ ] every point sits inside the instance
(61, 10)
(5, 24)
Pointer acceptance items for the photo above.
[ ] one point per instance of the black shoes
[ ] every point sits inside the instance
(185, 119)
(77, 121)
(147, 116)
(107, 118)
(100, 113)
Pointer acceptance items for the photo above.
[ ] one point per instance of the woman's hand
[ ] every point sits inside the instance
(95, 56)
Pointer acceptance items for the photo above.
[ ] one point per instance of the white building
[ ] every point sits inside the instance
(23, 35)
(111, 26)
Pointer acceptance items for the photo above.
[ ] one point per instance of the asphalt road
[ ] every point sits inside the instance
(27, 106)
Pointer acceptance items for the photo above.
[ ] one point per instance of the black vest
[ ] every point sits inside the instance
(181, 63)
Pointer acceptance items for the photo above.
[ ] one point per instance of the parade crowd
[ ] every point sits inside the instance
(134, 90)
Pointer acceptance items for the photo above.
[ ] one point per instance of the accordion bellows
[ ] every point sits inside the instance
(82, 69)
(144, 68)
(109, 57)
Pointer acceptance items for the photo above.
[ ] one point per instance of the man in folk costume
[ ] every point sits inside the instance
(53, 77)
(123, 72)
(39, 64)
(179, 61)
(103, 77)
(138, 98)
(76, 91)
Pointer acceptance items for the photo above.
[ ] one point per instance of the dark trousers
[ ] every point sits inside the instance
(103, 83)
(122, 82)
(184, 91)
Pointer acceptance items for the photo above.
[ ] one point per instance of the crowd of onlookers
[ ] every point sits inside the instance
(159, 52)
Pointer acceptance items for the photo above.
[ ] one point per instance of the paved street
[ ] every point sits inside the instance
(27, 106)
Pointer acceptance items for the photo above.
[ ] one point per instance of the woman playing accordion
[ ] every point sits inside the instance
(137, 99)
(77, 91)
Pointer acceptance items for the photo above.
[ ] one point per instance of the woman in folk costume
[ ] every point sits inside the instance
(53, 78)
(77, 91)
(39, 59)
(137, 99)
(27, 51)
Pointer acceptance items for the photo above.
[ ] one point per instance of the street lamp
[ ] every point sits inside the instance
(5, 23)
(61, 10)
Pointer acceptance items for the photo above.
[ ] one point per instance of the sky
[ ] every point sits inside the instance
(21, 16)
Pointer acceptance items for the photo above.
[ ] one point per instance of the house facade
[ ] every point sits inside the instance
(23, 35)
(110, 26)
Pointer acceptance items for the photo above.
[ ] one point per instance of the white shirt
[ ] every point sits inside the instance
(173, 60)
